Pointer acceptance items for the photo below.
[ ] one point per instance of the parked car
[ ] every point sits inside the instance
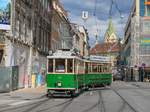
(117, 77)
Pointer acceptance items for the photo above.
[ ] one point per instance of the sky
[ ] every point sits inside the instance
(3, 3)
(99, 18)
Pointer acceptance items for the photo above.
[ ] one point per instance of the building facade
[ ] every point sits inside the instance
(26, 43)
(136, 48)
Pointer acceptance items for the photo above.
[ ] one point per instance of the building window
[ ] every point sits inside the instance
(148, 10)
(1, 55)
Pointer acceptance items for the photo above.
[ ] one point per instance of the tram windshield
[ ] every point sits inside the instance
(60, 65)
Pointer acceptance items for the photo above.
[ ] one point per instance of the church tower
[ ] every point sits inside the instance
(110, 35)
(96, 38)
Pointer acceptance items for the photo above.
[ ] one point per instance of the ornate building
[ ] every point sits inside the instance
(110, 35)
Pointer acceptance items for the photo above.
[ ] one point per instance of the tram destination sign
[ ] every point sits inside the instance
(100, 58)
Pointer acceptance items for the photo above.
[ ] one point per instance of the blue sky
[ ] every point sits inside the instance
(75, 8)
(3, 3)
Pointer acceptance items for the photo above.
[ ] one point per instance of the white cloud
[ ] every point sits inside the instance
(101, 26)
(76, 7)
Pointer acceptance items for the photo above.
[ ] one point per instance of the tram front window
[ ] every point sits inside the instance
(60, 65)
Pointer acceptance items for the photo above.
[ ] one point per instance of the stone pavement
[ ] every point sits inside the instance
(123, 84)
(26, 93)
(141, 84)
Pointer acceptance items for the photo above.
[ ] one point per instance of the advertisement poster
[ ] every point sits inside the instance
(5, 14)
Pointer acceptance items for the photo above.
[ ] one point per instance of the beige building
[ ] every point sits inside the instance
(83, 41)
(80, 40)
(61, 35)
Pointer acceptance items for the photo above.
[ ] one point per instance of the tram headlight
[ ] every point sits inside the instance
(59, 84)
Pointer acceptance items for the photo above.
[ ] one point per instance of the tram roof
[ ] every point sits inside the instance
(96, 61)
(62, 57)
(59, 54)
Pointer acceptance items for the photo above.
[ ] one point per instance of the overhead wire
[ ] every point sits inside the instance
(116, 5)
(113, 3)
(110, 10)
(95, 14)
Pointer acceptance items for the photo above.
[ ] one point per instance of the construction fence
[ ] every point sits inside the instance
(9, 78)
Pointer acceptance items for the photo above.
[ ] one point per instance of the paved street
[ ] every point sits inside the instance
(120, 97)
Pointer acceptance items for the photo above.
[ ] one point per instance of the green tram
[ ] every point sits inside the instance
(68, 74)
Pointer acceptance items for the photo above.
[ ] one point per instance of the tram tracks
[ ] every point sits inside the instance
(33, 105)
(64, 105)
(125, 102)
(99, 104)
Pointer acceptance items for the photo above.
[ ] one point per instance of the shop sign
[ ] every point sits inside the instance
(146, 26)
(145, 41)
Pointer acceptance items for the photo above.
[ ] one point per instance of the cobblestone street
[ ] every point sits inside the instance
(120, 97)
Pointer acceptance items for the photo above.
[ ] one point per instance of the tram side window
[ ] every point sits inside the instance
(106, 69)
(60, 65)
(100, 68)
(86, 67)
(95, 68)
(69, 66)
(89, 68)
(50, 65)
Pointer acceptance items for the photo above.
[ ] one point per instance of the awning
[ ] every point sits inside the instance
(2, 46)
(147, 3)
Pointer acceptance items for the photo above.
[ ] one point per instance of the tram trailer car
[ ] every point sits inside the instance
(68, 75)
(99, 74)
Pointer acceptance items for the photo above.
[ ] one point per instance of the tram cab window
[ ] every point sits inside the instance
(100, 68)
(69, 65)
(50, 65)
(89, 67)
(60, 65)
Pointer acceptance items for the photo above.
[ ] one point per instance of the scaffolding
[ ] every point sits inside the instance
(144, 46)
(135, 37)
